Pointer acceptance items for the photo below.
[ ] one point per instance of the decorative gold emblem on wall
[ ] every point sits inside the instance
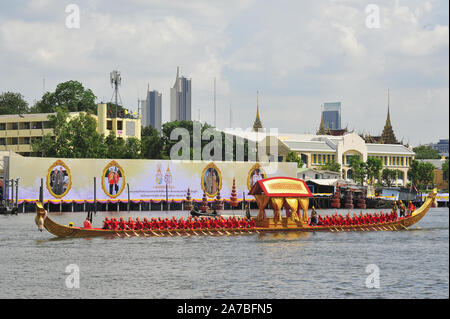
(113, 179)
(59, 179)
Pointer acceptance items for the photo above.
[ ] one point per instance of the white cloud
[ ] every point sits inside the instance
(297, 54)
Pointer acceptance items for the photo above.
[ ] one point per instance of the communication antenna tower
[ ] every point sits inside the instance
(116, 80)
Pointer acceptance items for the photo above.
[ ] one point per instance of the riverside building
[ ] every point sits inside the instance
(17, 131)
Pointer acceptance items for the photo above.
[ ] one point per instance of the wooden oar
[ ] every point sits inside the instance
(135, 234)
(220, 233)
(168, 231)
(125, 233)
(194, 232)
(178, 234)
(117, 234)
(403, 226)
(154, 233)
(143, 233)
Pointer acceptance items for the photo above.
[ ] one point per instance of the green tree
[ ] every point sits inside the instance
(388, 176)
(152, 144)
(116, 147)
(71, 95)
(426, 152)
(373, 168)
(75, 137)
(331, 166)
(13, 103)
(293, 157)
(358, 168)
(83, 139)
(132, 148)
(421, 173)
(445, 169)
(426, 174)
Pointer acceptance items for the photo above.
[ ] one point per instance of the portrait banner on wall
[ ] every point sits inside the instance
(113, 180)
(211, 180)
(148, 180)
(255, 174)
(59, 179)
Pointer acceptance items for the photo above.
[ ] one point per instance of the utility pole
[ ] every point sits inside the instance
(214, 102)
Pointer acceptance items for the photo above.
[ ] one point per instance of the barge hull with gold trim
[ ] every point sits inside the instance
(286, 224)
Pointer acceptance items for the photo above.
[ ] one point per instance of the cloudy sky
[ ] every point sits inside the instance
(297, 54)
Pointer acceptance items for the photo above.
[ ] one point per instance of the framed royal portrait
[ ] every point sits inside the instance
(211, 180)
(59, 180)
(255, 174)
(113, 179)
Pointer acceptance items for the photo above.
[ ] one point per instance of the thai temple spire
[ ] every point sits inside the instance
(388, 136)
(257, 125)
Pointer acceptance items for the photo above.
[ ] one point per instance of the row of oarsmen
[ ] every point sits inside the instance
(173, 223)
(362, 219)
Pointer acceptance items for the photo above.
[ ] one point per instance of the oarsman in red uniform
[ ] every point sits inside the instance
(152, 223)
(138, 224)
(252, 223)
(181, 224)
(114, 223)
(87, 223)
(221, 222)
(106, 223)
(145, 224)
(411, 208)
(234, 222)
(319, 221)
(122, 224)
(213, 223)
(130, 223)
(237, 222)
(242, 223)
(202, 222)
(159, 223)
(170, 224)
(333, 220)
(196, 223)
(167, 222)
(229, 223)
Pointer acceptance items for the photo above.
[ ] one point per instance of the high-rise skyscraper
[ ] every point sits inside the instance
(331, 114)
(152, 110)
(180, 99)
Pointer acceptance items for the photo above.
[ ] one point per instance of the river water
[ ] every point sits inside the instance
(409, 264)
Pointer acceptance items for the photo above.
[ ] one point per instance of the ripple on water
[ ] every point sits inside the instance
(317, 265)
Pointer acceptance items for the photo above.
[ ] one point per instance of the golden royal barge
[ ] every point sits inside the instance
(278, 192)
